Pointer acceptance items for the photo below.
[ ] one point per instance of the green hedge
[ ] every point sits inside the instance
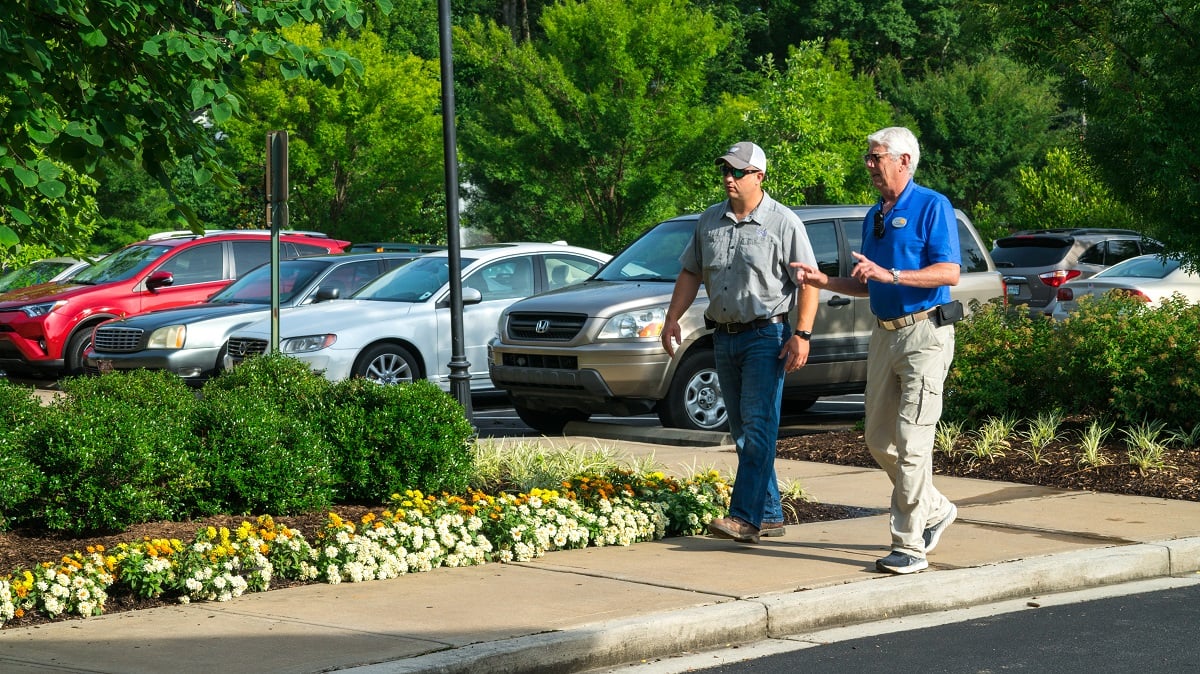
(269, 437)
(1115, 357)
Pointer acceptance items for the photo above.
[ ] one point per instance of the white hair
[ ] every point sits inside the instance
(898, 140)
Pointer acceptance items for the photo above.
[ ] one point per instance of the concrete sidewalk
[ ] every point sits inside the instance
(583, 609)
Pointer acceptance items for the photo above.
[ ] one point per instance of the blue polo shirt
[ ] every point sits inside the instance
(920, 230)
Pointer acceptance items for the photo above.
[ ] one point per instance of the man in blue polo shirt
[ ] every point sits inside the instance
(909, 260)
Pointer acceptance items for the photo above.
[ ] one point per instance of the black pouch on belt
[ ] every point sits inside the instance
(950, 313)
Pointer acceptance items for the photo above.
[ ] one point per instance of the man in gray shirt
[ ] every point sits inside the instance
(741, 252)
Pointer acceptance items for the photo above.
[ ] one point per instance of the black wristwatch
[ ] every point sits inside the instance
(806, 335)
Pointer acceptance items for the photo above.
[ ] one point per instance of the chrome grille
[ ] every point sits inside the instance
(241, 348)
(545, 327)
(117, 339)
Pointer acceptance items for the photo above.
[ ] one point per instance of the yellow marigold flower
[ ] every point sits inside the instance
(211, 531)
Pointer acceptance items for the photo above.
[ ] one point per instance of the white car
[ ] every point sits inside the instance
(397, 328)
(1150, 278)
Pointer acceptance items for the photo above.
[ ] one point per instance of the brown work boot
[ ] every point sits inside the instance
(735, 528)
(770, 529)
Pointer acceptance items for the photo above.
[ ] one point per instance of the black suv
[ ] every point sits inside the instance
(1036, 262)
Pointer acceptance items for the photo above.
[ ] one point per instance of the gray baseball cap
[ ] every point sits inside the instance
(745, 155)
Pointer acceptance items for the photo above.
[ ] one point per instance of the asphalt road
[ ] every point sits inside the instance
(1148, 626)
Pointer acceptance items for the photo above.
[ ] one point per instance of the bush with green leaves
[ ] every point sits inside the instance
(1114, 356)
(20, 479)
(390, 438)
(114, 450)
(264, 450)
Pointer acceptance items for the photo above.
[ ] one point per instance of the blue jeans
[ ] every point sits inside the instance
(751, 376)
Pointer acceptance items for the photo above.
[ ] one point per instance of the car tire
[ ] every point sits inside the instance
(549, 422)
(796, 405)
(388, 364)
(76, 346)
(694, 401)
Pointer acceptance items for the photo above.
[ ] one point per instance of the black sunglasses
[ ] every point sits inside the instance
(737, 174)
(880, 230)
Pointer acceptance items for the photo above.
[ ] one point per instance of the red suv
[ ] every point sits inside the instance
(45, 329)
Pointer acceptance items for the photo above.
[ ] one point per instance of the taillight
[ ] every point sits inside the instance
(1065, 295)
(1058, 277)
(1130, 292)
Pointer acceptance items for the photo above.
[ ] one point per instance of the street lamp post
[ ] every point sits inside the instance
(460, 375)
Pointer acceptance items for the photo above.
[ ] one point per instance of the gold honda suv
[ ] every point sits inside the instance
(594, 347)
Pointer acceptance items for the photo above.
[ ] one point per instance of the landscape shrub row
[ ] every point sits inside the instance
(1114, 358)
(268, 437)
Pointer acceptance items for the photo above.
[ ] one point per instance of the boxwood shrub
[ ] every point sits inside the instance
(390, 438)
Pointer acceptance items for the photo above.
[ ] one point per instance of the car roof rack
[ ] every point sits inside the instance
(183, 233)
(1076, 231)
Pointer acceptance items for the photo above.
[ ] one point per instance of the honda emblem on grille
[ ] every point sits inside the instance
(542, 326)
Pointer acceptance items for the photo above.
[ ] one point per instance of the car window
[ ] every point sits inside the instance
(973, 259)
(306, 249)
(416, 281)
(121, 265)
(823, 236)
(250, 254)
(1150, 246)
(503, 280)
(198, 264)
(351, 276)
(1121, 249)
(652, 257)
(255, 286)
(1031, 252)
(565, 270)
(1141, 267)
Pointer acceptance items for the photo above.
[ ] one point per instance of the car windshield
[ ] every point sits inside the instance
(416, 281)
(38, 272)
(121, 265)
(1146, 266)
(255, 286)
(653, 257)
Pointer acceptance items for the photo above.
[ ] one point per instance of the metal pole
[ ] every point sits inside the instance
(277, 215)
(460, 374)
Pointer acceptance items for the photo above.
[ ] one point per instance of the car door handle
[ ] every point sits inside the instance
(838, 301)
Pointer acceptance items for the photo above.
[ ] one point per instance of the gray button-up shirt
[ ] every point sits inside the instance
(744, 265)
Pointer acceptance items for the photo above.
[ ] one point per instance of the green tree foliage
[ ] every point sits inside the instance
(813, 122)
(597, 131)
(920, 34)
(978, 125)
(1066, 192)
(365, 162)
(128, 79)
(1130, 66)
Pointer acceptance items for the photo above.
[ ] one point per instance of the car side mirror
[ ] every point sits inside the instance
(471, 295)
(159, 279)
(326, 294)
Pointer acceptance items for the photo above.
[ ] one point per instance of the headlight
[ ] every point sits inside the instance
(170, 337)
(646, 323)
(306, 344)
(35, 310)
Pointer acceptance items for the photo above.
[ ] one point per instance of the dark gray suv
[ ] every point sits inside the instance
(594, 347)
(1035, 263)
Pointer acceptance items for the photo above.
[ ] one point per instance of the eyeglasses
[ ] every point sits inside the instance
(880, 230)
(875, 157)
(737, 174)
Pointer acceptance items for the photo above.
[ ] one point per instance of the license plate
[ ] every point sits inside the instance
(1013, 289)
(104, 366)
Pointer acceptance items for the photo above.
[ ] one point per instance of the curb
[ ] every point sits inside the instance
(613, 643)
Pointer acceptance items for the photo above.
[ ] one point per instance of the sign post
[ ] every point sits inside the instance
(277, 215)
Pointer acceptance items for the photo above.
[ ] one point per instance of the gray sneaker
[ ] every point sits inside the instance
(899, 562)
(934, 533)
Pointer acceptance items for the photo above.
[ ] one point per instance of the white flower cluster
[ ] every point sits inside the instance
(624, 521)
(8, 608)
(67, 589)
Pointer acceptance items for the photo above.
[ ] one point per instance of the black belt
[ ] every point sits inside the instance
(735, 328)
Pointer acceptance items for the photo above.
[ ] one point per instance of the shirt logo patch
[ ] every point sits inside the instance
(899, 222)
